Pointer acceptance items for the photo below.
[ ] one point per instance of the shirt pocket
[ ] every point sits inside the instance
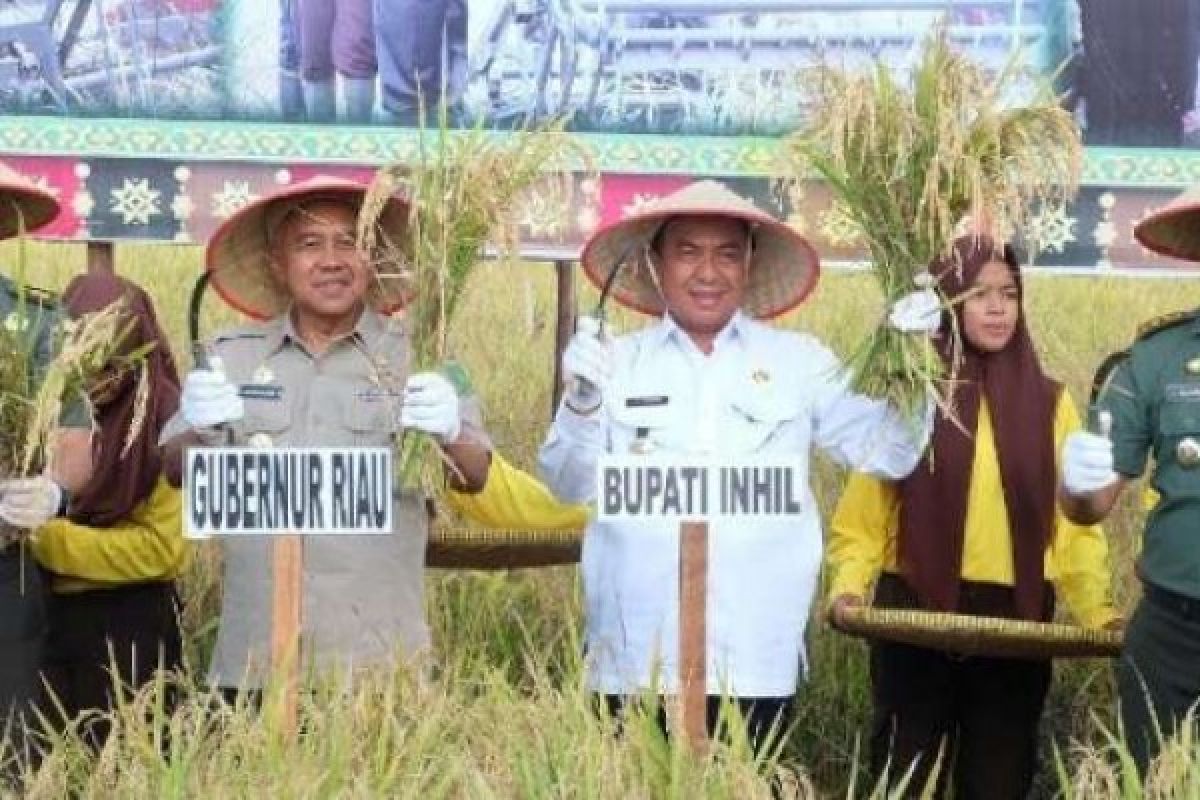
(759, 421)
(1179, 418)
(271, 418)
(636, 427)
(372, 416)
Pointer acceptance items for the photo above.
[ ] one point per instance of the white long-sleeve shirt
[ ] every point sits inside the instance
(761, 391)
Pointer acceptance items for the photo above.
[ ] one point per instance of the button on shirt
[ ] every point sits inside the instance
(363, 595)
(760, 391)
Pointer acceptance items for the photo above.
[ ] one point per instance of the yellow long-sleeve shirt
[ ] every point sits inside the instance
(146, 546)
(513, 499)
(863, 536)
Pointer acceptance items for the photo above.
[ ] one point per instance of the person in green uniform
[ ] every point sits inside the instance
(24, 207)
(1148, 404)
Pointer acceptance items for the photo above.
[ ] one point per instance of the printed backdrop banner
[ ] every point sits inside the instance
(630, 66)
(171, 200)
(157, 118)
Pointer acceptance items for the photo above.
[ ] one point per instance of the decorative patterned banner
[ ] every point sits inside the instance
(168, 200)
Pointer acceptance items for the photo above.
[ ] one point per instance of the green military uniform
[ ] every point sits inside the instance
(22, 609)
(1153, 395)
(363, 595)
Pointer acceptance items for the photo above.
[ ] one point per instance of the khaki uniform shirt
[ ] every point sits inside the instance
(362, 597)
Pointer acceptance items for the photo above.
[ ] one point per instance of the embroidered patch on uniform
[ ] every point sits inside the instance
(649, 401)
(1183, 392)
(260, 391)
(760, 376)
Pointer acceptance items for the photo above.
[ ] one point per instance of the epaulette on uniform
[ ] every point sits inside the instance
(1151, 327)
(1147, 329)
(41, 297)
(1104, 373)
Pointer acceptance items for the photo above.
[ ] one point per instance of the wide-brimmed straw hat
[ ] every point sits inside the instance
(238, 256)
(783, 266)
(1174, 229)
(24, 206)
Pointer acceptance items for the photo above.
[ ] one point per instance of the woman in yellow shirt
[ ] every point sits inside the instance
(975, 530)
(115, 554)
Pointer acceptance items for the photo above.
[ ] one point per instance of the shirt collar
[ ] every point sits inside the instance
(282, 329)
(668, 329)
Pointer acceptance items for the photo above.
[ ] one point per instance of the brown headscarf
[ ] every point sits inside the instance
(1021, 401)
(122, 479)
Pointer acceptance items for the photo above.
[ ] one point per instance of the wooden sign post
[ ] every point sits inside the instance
(287, 580)
(250, 491)
(693, 621)
(692, 492)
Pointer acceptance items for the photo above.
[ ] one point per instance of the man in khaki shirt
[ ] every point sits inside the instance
(326, 368)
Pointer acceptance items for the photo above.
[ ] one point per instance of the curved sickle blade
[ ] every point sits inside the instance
(199, 353)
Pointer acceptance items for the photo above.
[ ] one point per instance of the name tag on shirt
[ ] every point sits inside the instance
(651, 401)
(260, 391)
(1183, 392)
(377, 394)
(698, 489)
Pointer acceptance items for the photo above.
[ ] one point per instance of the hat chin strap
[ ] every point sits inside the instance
(649, 256)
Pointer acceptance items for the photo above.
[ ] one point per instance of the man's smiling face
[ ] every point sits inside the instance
(316, 259)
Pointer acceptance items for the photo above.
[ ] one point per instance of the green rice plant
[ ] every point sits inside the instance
(504, 713)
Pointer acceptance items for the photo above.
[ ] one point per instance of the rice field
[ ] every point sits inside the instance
(504, 713)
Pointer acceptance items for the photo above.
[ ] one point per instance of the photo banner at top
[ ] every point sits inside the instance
(675, 67)
(154, 120)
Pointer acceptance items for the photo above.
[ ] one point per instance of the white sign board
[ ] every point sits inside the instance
(239, 491)
(642, 487)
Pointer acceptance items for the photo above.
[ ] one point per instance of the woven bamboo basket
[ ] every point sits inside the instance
(981, 636)
(475, 548)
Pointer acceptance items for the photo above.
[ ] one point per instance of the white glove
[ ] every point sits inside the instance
(587, 364)
(29, 502)
(1087, 463)
(431, 406)
(917, 312)
(209, 399)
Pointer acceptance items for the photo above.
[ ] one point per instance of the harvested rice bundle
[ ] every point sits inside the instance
(467, 189)
(910, 165)
(32, 399)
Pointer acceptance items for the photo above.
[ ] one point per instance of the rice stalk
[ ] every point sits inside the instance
(466, 191)
(913, 165)
(85, 347)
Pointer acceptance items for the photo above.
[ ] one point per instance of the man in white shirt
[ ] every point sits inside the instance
(709, 379)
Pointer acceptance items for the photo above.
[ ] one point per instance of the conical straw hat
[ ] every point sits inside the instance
(783, 266)
(1174, 229)
(23, 204)
(238, 255)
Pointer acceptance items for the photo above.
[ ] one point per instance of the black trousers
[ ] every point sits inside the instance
(980, 714)
(22, 635)
(766, 718)
(1158, 674)
(133, 629)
